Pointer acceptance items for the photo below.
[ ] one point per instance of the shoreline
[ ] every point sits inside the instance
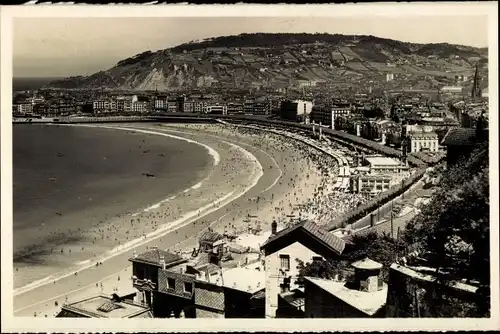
(164, 228)
(303, 189)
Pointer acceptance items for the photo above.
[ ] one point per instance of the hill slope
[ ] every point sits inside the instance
(280, 59)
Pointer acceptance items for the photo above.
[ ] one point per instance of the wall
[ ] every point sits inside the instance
(204, 313)
(179, 278)
(208, 298)
(146, 271)
(274, 277)
(320, 304)
(411, 297)
(164, 304)
(237, 304)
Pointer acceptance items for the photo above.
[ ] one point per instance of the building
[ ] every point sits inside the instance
(389, 77)
(139, 107)
(104, 106)
(423, 141)
(485, 93)
(234, 108)
(408, 287)
(368, 183)
(295, 110)
(362, 296)
(161, 103)
(327, 115)
(145, 268)
(383, 165)
(232, 293)
(105, 307)
(22, 109)
(209, 241)
(460, 142)
(202, 286)
(217, 109)
(452, 89)
(304, 241)
(257, 106)
(173, 105)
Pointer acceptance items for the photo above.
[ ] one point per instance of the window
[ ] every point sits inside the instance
(285, 262)
(188, 287)
(171, 283)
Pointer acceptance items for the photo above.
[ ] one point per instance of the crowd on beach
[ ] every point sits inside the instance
(319, 201)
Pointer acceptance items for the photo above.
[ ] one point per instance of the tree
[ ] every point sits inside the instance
(380, 248)
(454, 226)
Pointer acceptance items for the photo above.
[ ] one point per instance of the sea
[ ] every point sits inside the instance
(25, 84)
(69, 178)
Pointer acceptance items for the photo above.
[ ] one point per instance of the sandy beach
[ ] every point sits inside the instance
(285, 175)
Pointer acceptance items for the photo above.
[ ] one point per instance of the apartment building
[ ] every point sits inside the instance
(295, 110)
(22, 109)
(423, 141)
(218, 109)
(369, 183)
(174, 287)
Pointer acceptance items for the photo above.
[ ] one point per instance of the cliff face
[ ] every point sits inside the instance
(278, 60)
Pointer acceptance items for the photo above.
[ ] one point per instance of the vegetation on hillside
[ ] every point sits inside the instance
(382, 249)
(454, 226)
(281, 39)
(452, 232)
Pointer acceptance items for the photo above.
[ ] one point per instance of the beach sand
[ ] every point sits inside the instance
(291, 176)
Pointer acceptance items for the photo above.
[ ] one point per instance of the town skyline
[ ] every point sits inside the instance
(88, 45)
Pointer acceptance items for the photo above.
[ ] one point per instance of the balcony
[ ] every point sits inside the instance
(144, 284)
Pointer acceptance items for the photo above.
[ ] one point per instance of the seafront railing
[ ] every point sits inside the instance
(344, 169)
(361, 216)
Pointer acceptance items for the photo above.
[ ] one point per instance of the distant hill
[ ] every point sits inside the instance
(280, 59)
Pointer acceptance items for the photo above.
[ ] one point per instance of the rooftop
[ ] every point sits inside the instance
(333, 242)
(153, 257)
(367, 264)
(460, 137)
(295, 298)
(104, 307)
(251, 278)
(423, 274)
(385, 161)
(366, 302)
(427, 134)
(210, 236)
(252, 240)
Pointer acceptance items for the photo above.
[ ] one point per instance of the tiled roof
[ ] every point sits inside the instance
(208, 267)
(210, 236)
(460, 137)
(330, 240)
(153, 257)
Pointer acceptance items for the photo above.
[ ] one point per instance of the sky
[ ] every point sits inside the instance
(60, 47)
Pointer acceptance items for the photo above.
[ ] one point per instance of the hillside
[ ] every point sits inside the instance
(280, 59)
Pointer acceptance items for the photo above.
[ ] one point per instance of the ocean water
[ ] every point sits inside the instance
(22, 84)
(67, 179)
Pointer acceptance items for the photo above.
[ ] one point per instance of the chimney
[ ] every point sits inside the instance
(162, 262)
(366, 275)
(274, 227)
